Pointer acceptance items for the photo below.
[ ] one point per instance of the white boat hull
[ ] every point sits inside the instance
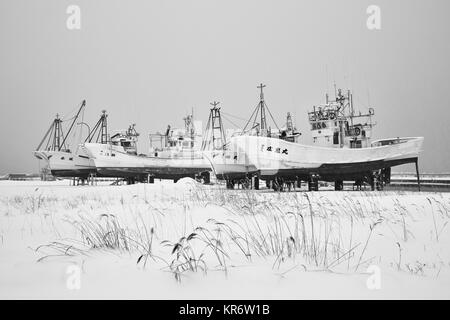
(114, 161)
(229, 164)
(275, 157)
(68, 164)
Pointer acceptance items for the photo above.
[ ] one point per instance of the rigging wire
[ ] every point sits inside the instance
(231, 122)
(251, 117)
(49, 138)
(68, 119)
(270, 113)
(70, 112)
(233, 116)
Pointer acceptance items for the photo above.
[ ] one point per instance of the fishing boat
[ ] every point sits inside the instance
(342, 149)
(232, 163)
(224, 161)
(62, 160)
(177, 156)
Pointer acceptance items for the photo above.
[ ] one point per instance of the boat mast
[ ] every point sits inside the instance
(263, 123)
(189, 126)
(350, 102)
(83, 104)
(53, 136)
(289, 123)
(214, 127)
(193, 126)
(46, 135)
(102, 127)
(57, 134)
(260, 110)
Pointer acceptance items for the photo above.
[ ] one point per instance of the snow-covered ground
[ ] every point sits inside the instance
(189, 241)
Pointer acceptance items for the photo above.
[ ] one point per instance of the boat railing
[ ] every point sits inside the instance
(391, 141)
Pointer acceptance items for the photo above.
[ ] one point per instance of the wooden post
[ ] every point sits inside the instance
(256, 182)
(417, 173)
(206, 177)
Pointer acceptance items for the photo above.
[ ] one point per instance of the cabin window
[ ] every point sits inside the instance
(62, 158)
(336, 137)
(71, 159)
(355, 144)
(363, 133)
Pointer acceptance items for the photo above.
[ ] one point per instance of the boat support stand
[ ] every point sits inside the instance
(417, 173)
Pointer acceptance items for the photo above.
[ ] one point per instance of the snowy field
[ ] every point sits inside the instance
(189, 241)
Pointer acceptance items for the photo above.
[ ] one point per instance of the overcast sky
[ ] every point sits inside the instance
(150, 62)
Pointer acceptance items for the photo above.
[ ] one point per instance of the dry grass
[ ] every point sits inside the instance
(307, 229)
